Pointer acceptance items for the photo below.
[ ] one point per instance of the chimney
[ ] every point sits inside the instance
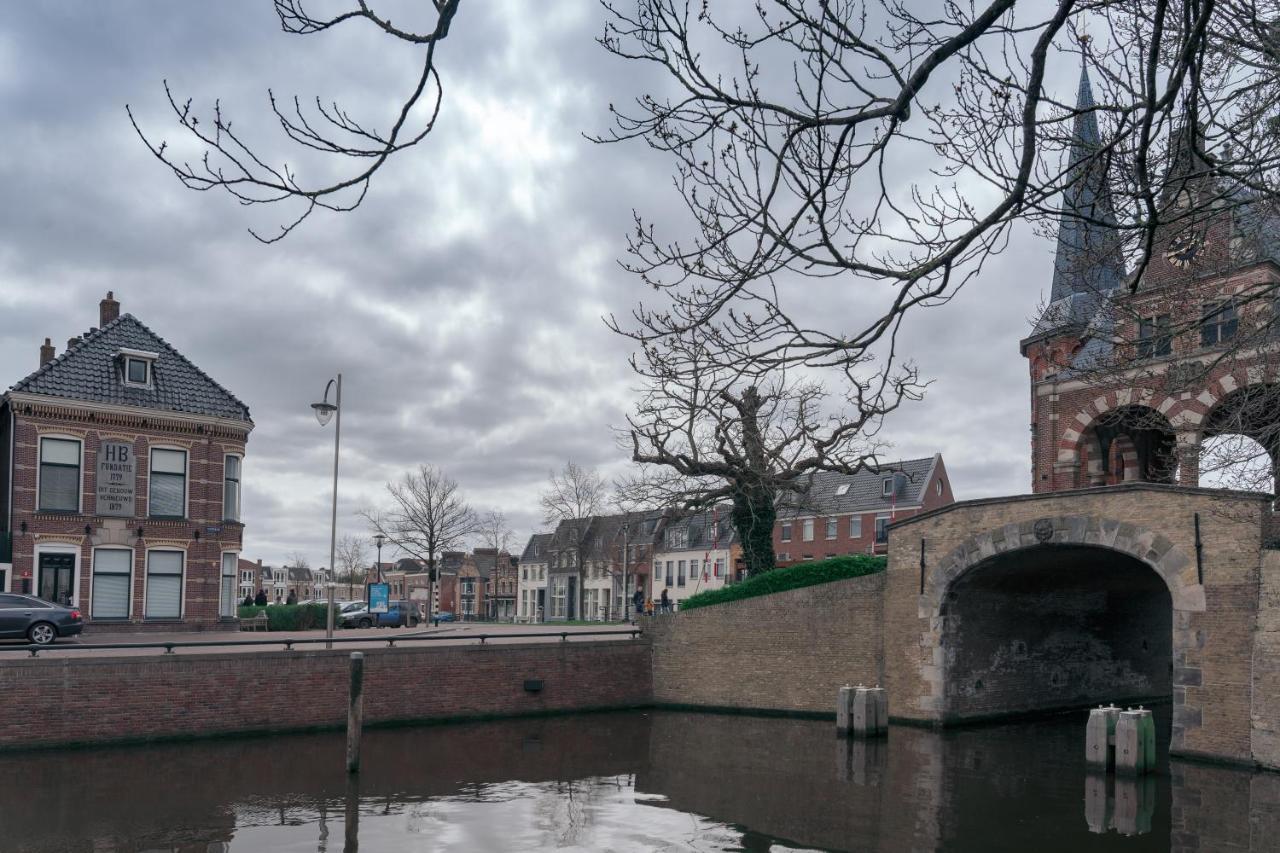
(46, 353)
(108, 309)
(259, 562)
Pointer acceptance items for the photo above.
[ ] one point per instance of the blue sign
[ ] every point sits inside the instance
(379, 597)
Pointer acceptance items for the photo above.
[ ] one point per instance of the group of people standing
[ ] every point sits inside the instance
(664, 604)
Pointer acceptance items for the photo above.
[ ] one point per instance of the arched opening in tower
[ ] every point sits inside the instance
(1240, 448)
(1055, 627)
(1132, 443)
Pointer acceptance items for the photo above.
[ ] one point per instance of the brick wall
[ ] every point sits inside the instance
(1266, 666)
(99, 700)
(790, 651)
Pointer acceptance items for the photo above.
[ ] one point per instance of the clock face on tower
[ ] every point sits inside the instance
(1183, 249)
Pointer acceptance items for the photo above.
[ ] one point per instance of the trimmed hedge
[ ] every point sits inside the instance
(289, 617)
(792, 577)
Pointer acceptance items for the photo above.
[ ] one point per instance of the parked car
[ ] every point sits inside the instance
(362, 618)
(445, 616)
(39, 621)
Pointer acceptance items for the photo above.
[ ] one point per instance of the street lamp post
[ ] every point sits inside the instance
(324, 411)
(378, 539)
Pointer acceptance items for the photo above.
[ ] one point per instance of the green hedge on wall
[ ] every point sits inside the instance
(289, 617)
(792, 577)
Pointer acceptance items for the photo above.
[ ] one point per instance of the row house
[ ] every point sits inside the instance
(448, 566)
(121, 465)
(532, 585)
(695, 553)
(838, 514)
(594, 565)
(500, 568)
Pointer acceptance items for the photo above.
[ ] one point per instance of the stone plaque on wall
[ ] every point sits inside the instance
(117, 468)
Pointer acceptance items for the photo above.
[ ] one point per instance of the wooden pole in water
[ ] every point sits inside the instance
(355, 712)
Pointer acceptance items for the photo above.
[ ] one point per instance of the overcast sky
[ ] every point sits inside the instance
(462, 302)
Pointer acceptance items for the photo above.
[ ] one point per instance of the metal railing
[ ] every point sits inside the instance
(290, 642)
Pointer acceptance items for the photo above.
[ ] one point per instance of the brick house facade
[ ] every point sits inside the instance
(839, 514)
(121, 479)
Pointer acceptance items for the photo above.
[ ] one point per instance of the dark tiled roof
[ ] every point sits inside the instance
(299, 573)
(821, 493)
(89, 371)
(699, 531)
(536, 549)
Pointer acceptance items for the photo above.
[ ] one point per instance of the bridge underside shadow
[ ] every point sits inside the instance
(1054, 627)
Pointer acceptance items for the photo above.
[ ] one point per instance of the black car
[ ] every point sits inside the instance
(39, 621)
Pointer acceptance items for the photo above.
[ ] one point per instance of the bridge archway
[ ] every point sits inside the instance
(1055, 626)
(1057, 612)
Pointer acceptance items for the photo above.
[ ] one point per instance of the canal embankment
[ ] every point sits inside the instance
(69, 701)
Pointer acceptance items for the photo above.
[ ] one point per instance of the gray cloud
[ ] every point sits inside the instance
(462, 301)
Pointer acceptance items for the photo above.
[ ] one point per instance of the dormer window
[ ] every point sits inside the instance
(886, 487)
(136, 367)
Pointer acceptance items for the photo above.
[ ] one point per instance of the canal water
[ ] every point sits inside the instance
(635, 781)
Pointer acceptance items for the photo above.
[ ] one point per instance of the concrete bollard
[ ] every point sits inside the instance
(844, 711)
(880, 699)
(355, 712)
(1131, 737)
(1099, 741)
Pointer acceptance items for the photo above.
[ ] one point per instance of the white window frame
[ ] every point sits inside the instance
(40, 464)
(182, 584)
(833, 528)
(886, 487)
(93, 577)
(938, 487)
(806, 530)
(235, 587)
(147, 366)
(56, 548)
(887, 521)
(786, 531)
(855, 527)
(186, 479)
(239, 481)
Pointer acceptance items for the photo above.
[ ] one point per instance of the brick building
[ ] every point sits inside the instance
(1131, 373)
(120, 472)
(838, 514)
(502, 583)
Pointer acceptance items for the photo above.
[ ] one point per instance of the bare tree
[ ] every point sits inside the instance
(353, 559)
(573, 492)
(708, 434)
(297, 560)
(230, 163)
(427, 515)
(861, 143)
(493, 531)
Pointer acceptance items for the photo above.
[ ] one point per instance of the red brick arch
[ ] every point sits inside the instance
(1078, 430)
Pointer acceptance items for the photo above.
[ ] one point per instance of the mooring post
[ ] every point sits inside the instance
(844, 711)
(880, 702)
(1099, 740)
(355, 712)
(1131, 743)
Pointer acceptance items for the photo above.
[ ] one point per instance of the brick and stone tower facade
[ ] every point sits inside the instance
(1131, 372)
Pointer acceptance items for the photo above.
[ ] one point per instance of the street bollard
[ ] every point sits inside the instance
(1099, 741)
(844, 711)
(1131, 739)
(355, 712)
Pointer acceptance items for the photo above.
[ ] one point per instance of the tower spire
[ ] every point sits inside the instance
(1088, 258)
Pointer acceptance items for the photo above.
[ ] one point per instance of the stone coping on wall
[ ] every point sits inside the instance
(1232, 494)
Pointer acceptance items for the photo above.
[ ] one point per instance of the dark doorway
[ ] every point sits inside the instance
(572, 608)
(57, 577)
(1056, 627)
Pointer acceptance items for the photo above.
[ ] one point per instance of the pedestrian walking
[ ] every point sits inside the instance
(665, 603)
(637, 601)
(292, 598)
(261, 599)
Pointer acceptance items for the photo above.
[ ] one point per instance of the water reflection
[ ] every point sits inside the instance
(629, 782)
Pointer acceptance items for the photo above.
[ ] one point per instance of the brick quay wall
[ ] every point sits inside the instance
(68, 701)
(789, 652)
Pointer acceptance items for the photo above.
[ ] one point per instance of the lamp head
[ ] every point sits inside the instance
(324, 411)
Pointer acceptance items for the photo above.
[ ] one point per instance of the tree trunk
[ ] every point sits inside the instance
(753, 517)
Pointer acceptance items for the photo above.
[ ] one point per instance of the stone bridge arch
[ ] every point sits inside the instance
(954, 572)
